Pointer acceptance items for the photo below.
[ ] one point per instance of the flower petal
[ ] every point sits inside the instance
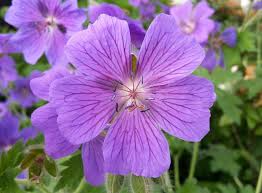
(167, 54)
(40, 85)
(32, 41)
(24, 11)
(182, 108)
(182, 12)
(135, 144)
(203, 28)
(84, 106)
(229, 36)
(93, 161)
(203, 10)
(56, 146)
(210, 60)
(103, 50)
(7, 70)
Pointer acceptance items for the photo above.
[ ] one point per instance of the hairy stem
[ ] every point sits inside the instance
(259, 181)
(193, 161)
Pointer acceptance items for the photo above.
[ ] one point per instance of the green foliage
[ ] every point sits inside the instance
(72, 173)
(191, 186)
(114, 183)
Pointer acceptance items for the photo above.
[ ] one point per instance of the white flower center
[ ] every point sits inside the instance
(188, 27)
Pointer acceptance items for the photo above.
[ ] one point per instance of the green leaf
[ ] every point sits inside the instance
(72, 174)
(226, 188)
(114, 183)
(50, 166)
(231, 56)
(30, 157)
(140, 184)
(246, 41)
(191, 186)
(224, 159)
(247, 189)
(12, 158)
(7, 182)
(230, 105)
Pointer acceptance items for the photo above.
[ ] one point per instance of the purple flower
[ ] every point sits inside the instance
(214, 55)
(132, 107)
(257, 5)
(22, 93)
(137, 3)
(44, 26)
(136, 29)
(56, 145)
(7, 64)
(196, 20)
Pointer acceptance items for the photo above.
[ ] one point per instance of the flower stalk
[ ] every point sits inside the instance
(193, 161)
(259, 181)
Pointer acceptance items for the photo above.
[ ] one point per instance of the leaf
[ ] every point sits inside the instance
(8, 184)
(230, 105)
(246, 41)
(247, 189)
(140, 184)
(30, 157)
(50, 166)
(12, 158)
(226, 188)
(231, 56)
(72, 174)
(114, 183)
(191, 186)
(224, 159)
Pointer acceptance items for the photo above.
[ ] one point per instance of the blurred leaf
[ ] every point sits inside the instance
(246, 41)
(191, 186)
(224, 159)
(231, 56)
(30, 157)
(50, 166)
(72, 174)
(7, 182)
(226, 188)
(114, 183)
(230, 105)
(12, 158)
(247, 189)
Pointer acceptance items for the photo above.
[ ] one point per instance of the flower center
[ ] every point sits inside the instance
(188, 26)
(131, 95)
(52, 23)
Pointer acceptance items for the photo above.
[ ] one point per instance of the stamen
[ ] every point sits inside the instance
(116, 107)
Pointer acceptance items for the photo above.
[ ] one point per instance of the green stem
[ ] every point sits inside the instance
(80, 186)
(193, 161)
(41, 188)
(238, 182)
(167, 183)
(259, 181)
(177, 176)
(258, 45)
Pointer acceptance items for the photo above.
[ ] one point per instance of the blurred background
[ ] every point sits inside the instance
(227, 160)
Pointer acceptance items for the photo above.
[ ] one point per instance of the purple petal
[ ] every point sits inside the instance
(93, 161)
(28, 133)
(221, 62)
(210, 60)
(203, 11)
(136, 3)
(137, 32)
(7, 45)
(203, 29)
(95, 11)
(182, 108)
(24, 11)
(135, 144)
(55, 48)
(257, 5)
(32, 41)
(9, 130)
(167, 54)
(229, 36)
(84, 106)
(56, 146)
(40, 86)
(182, 12)
(103, 50)
(7, 70)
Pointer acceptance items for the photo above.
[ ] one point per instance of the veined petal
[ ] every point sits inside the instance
(103, 50)
(203, 28)
(182, 12)
(56, 146)
(182, 108)
(24, 11)
(93, 161)
(40, 85)
(135, 144)
(167, 54)
(210, 60)
(84, 106)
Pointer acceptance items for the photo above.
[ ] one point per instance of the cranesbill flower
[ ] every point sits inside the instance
(214, 54)
(21, 93)
(194, 21)
(136, 29)
(56, 145)
(44, 26)
(257, 5)
(133, 106)
(7, 64)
